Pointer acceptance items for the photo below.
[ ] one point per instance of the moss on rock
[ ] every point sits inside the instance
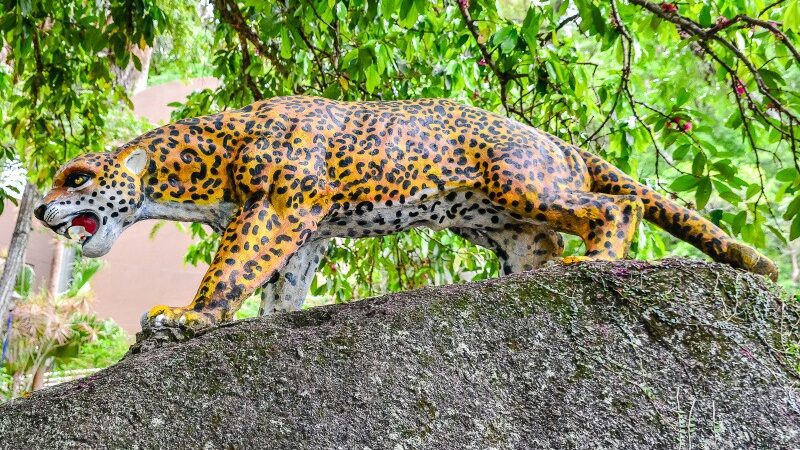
(598, 355)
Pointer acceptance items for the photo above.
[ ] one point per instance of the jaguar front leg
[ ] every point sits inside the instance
(254, 246)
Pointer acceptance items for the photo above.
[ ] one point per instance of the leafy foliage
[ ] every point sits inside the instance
(57, 86)
(12, 178)
(108, 347)
(367, 267)
(48, 330)
(697, 99)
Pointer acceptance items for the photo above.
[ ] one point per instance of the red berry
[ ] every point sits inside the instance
(777, 32)
(687, 127)
(739, 88)
(669, 7)
(482, 62)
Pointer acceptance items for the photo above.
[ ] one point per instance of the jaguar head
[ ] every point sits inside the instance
(95, 197)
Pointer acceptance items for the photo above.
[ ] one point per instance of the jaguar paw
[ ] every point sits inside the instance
(177, 317)
(748, 258)
(576, 259)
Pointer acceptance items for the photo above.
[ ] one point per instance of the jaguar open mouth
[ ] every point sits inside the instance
(81, 227)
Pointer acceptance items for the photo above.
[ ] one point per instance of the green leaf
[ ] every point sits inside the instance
(734, 121)
(373, 78)
(655, 22)
(683, 96)
(786, 175)
(681, 152)
(715, 216)
(794, 230)
(791, 17)
(341, 11)
(730, 197)
(792, 209)
(738, 222)
(705, 16)
(505, 38)
(509, 42)
(591, 18)
(703, 192)
(724, 168)
(530, 27)
(388, 7)
(771, 78)
(752, 190)
(684, 183)
(408, 13)
(286, 44)
(68, 350)
(699, 164)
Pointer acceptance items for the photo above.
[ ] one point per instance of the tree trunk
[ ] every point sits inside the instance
(56, 269)
(17, 247)
(674, 354)
(130, 78)
(39, 375)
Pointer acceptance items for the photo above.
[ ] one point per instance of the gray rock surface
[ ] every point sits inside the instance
(603, 355)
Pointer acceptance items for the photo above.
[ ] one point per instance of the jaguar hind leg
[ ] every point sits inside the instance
(288, 290)
(606, 223)
(519, 247)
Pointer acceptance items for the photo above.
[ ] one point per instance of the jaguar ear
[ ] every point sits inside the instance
(135, 160)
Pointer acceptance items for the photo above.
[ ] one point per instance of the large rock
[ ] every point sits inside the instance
(602, 355)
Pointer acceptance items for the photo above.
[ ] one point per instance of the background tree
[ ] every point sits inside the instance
(60, 88)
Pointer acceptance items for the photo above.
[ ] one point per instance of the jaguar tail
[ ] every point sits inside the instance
(681, 222)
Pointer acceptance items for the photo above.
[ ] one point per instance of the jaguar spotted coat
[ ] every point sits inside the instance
(279, 178)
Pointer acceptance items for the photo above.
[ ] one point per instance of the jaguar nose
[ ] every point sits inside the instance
(39, 212)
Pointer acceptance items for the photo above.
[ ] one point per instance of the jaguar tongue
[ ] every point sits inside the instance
(86, 221)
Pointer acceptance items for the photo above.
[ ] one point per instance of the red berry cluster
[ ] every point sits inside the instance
(464, 4)
(482, 62)
(723, 21)
(680, 125)
(669, 7)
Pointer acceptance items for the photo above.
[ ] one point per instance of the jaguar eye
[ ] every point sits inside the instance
(76, 180)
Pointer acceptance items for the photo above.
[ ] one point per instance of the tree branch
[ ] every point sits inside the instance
(257, 95)
(230, 13)
(693, 28)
